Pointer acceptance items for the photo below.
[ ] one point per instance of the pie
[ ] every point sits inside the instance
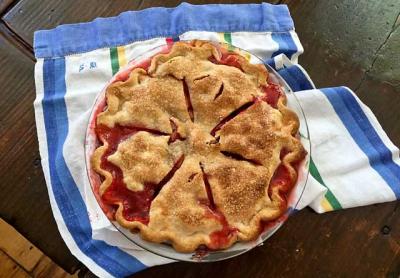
(196, 148)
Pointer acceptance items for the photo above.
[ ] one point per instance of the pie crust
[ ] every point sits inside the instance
(196, 148)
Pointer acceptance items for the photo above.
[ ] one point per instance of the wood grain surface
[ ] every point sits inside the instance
(4, 5)
(20, 258)
(347, 42)
(9, 268)
(355, 44)
(17, 247)
(24, 201)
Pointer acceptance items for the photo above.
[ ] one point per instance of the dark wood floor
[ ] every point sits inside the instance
(347, 42)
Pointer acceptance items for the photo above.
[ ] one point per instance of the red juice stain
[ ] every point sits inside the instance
(188, 100)
(201, 252)
(94, 177)
(218, 239)
(169, 40)
(122, 76)
(136, 204)
(221, 238)
(283, 180)
(227, 59)
(272, 92)
(175, 134)
(210, 197)
(144, 64)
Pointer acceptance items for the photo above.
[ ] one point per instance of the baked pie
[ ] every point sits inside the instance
(196, 148)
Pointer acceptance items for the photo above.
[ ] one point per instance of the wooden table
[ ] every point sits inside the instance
(352, 43)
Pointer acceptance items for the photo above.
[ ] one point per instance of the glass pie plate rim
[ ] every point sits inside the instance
(165, 249)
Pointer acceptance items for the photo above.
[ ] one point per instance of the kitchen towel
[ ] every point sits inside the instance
(75, 61)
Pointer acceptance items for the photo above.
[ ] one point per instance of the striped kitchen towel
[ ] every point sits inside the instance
(74, 62)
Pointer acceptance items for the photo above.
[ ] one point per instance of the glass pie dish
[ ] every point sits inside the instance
(201, 254)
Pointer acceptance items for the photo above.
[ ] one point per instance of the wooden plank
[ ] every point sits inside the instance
(366, 53)
(351, 29)
(384, 100)
(24, 200)
(386, 67)
(349, 243)
(31, 15)
(340, 38)
(16, 41)
(8, 268)
(4, 4)
(18, 248)
(380, 88)
(24, 256)
(47, 268)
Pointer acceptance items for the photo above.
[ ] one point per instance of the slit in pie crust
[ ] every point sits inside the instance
(197, 148)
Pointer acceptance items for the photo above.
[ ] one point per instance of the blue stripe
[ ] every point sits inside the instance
(364, 134)
(160, 22)
(66, 193)
(286, 44)
(295, 78)
(293, 75)
(271, 62)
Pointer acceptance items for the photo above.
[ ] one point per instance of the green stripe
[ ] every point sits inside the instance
(114, 60)
(228, 39)
(329, 195)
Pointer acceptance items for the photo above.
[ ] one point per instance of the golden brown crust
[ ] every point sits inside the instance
(246, 203)
(149, 103)
(139, 155)
(218, 93)
(96, 164)
(183, 103)
(256, 134)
